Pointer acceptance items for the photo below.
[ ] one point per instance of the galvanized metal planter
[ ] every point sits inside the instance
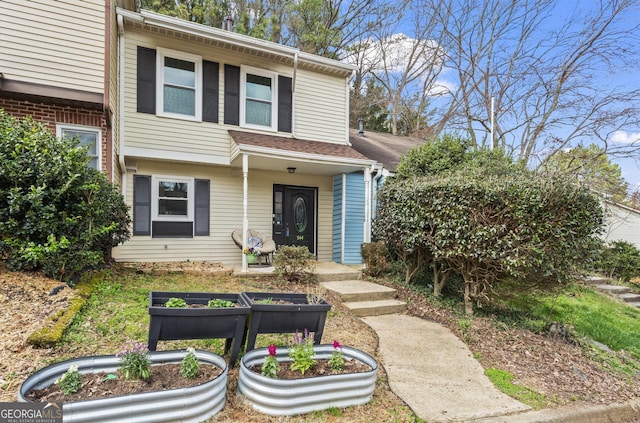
(299, 396)
(192, 404)
(168, 323)
(298, 314)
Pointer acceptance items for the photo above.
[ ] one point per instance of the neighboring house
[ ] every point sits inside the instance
(350, 193)
(220, 131)
(621, 223)
(52, 67)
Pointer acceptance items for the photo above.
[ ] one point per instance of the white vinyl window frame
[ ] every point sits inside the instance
(273, 76)
(66, 130)
(155, 198)
(163, 53)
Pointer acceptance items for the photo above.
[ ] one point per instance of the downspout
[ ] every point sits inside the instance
(377, 168)
(106, 106)
(293, 95)
(123, 167)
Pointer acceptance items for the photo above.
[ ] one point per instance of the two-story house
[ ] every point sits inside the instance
(205, 130)
(220, 131)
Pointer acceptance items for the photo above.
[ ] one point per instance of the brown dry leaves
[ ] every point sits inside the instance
(25, 304)
(552, 367)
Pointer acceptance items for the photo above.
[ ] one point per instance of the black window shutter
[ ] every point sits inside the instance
(285, 100)
(201, 207)
(210, 77)
(231, 95)
(146, 87)
(141, 205)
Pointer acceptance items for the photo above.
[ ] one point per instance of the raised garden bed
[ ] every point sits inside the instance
(306, 394)
(198, 321)
(284, 312)
(189, 404)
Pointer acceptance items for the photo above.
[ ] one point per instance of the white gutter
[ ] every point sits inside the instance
(302, 157)
(348, 107)
(231, 38)
(121, 55)
(374, 194)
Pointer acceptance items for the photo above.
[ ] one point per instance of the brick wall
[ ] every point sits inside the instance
(50, 115)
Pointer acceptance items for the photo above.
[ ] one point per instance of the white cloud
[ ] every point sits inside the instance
(399, 49)
(623, 137)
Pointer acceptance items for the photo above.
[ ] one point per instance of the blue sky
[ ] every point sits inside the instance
(606, 77)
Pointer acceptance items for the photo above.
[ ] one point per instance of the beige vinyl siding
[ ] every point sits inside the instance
(58, 42)
(320, 107)
(146, 131)
(226, 214)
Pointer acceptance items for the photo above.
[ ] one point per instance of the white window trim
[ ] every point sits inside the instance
(61, 127)
(155, 197)
(244, 70)
(197, 60)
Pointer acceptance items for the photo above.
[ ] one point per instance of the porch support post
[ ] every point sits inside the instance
(245, 207)
(367, 205)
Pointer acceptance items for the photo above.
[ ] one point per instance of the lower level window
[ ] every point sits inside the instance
(172, 198)
(170, 206)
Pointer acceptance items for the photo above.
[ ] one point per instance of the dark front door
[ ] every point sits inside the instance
(294, 216)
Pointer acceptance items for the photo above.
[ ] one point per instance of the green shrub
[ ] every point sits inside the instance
(619, 259)
(375, 258)
(56, 214)
(487, 228)
(294, 263)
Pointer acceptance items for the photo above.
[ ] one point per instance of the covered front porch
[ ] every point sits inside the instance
(308, 208)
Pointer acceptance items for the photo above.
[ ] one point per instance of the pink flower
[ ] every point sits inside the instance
(336, 344)
(272, 350)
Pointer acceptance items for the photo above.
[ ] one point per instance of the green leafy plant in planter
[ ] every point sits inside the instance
(190, 364)
(271, 366)
(135, 362)
(219, 303)
(71, 381)
(301, 352)
(336, 361)
(176, 303)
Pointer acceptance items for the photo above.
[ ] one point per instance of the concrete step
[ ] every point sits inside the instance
(634, 304)
(629, 298)
(328, 271)
(355, 290)
(596, 280)
(375, 308)
(614, 289)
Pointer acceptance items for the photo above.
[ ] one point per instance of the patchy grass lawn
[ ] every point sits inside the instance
(117, 312)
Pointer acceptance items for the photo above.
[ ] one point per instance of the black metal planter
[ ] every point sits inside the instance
(168, 323)
(297, 314)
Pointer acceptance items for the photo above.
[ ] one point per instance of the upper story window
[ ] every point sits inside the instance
(179, 92)
(258, 107)
(88, 136)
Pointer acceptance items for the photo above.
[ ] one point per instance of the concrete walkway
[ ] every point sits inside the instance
(435, 373)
